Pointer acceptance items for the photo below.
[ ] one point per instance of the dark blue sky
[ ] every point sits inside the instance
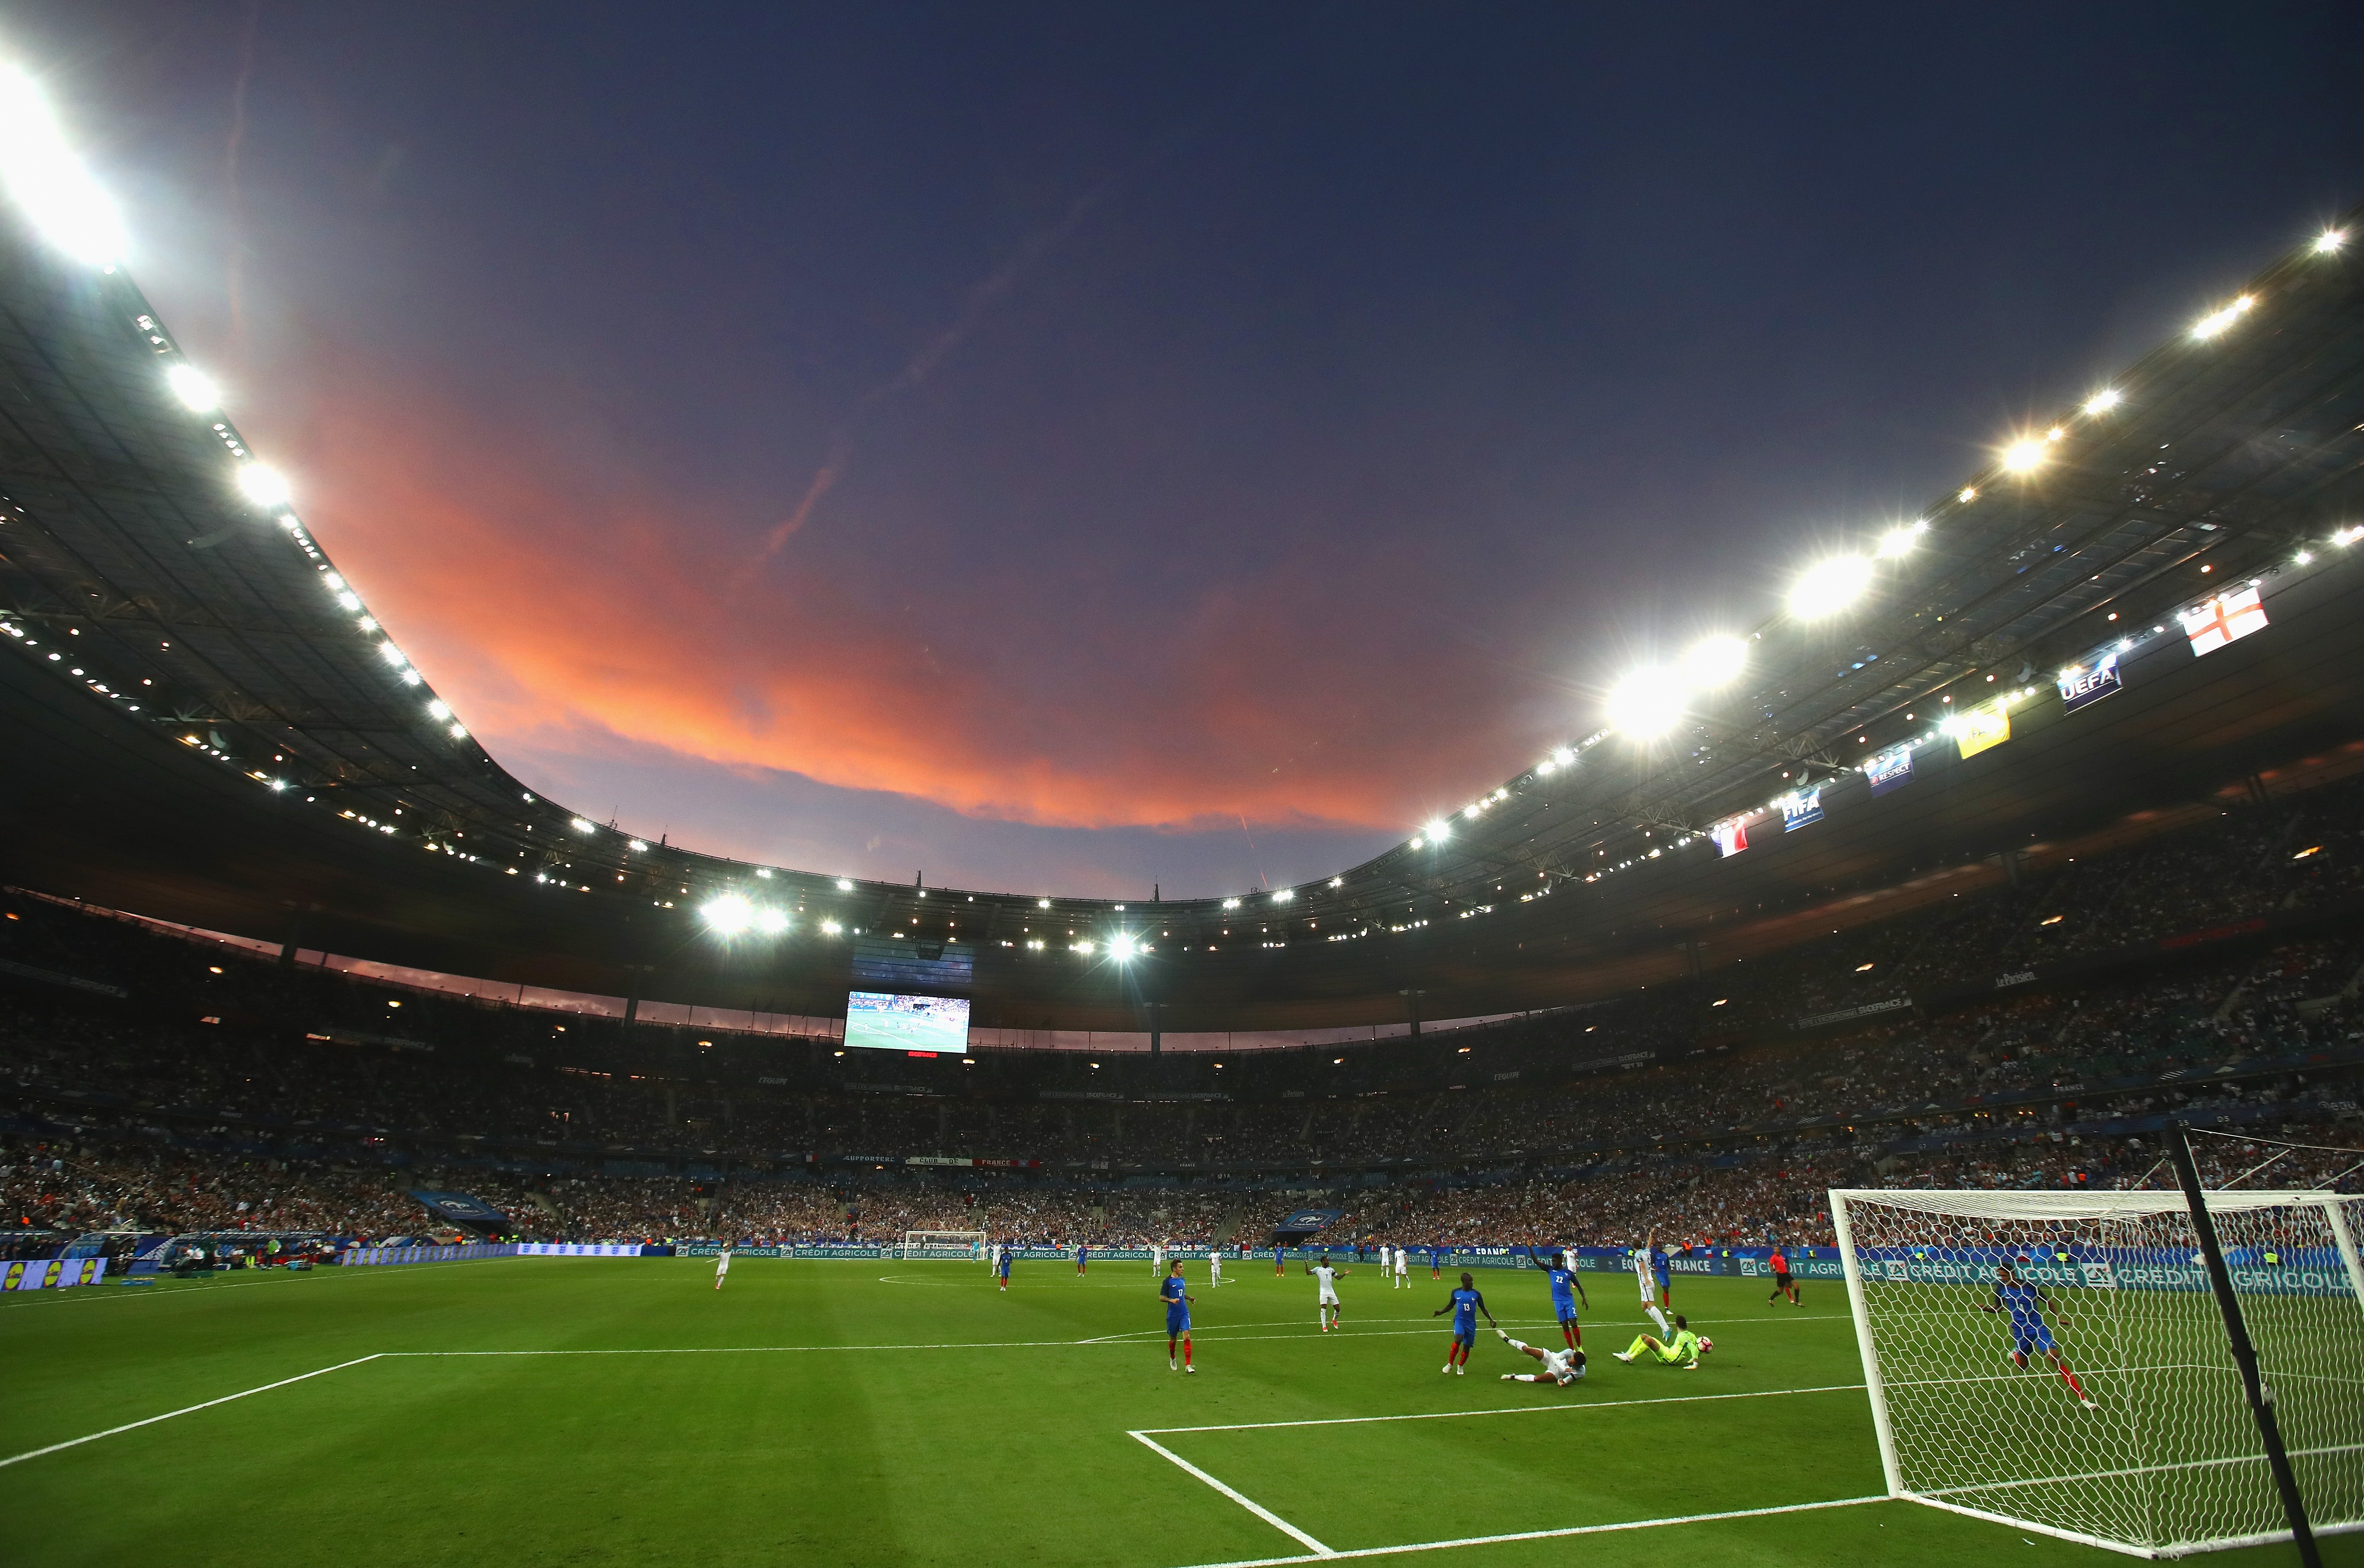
(1070, 449)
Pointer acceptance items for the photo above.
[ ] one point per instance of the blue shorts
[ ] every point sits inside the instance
(1005, 1270)
(2030, 1337)
(1466, 1335)
(1177, 1322)
(1564, 1308)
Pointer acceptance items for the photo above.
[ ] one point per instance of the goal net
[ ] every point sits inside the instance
(968, 1245)
(2057, 1361)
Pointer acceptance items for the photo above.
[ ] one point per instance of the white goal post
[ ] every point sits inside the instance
(963, 1245)
(2092, 1394)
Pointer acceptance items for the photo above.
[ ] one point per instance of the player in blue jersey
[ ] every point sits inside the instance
(1564, 1290)
(1002, 1265)
(2023, 1303)
(1177, 1299)
(1464, 1305)
(1080, 1251)
(1435, 1263)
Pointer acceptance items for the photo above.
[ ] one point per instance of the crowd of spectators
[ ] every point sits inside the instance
(1701, 1114)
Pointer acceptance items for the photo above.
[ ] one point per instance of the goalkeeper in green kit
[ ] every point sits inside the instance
(1684, 1349)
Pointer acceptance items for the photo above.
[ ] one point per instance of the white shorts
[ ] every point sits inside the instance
(1329, 1298)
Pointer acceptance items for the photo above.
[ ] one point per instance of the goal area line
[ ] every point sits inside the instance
(2180, 1549)
(1317, 1551)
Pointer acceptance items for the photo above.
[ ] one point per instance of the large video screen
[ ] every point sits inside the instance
(883, 1021)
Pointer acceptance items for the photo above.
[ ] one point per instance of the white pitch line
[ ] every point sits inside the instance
(1542, 1534)
(186, 1410)
(1507, 1410)
(1244, 1501)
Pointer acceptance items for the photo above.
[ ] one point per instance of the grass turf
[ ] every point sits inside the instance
(908, 1413)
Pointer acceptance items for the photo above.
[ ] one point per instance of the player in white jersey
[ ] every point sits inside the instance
(1214, 1266)
(1325, 1279)
(1383, 1260)
(1403, 1266)
(1561, 1367)
(1649, 1282)
(721, 1267)
(1157, 1260)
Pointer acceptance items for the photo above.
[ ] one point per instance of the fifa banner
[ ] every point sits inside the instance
(2228, 617)
(2082, 686)
(51, 1273)
(1801, 809)
(1982, 729)
(2302, 1271)
(1891, 769)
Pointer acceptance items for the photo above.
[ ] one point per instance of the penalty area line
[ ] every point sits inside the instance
(185, 1410)
(1242, 1498)
(1327, 1556)
(1514, 1410)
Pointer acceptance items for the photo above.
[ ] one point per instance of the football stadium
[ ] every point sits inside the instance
(1882, 1081)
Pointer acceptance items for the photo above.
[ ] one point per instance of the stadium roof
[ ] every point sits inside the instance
(204, 724)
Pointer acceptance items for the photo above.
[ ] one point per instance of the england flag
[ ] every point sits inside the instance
(2224, 618)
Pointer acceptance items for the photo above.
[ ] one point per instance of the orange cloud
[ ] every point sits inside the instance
(547, 604)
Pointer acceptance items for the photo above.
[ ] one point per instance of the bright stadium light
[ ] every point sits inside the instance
(2330, 239)
(580, 825)
(1714, 661)
(2101, 402)
(47, 181)
(263, 486)
(771, 922)
(1900, 540)
(844, 884)
(438, 708)
(1829, 586)
(1646, 703)
(729, 914)
(194, 388)
(2211, 325)
(1121, 948)
(637, 846)
(830, 928)
(2023, 456)
(1284, 894)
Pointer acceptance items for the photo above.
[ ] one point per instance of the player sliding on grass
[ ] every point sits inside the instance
(1464, 1305)
(2024, 1304)
(1177, 1299)
(1561, 1367)
(1683, 1349)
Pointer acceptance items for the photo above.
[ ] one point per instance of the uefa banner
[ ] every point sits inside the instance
(51, 1273)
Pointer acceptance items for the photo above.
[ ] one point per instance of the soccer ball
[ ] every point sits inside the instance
(1706, 1344)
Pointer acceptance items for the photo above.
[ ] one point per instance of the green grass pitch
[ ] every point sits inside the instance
(584, 1411)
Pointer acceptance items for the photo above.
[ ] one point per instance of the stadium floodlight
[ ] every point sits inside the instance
(2330, 239)
(2101, 402)
(1041, 903)
(1829, 586)
(1900, 540)
(1439, 830)
(1120, 947)
(2023, 456)
(730, 914)
(637, 846)
(459, 732)
(438, 708)
(580, 825)
(47, 181)
(2214, 323)
(1280, 896)
(194, 388)
(262, 485)
(1231, 903)
(1714, 661)
(1646, 703)
(2349, 535)
(844, 884)
(771, 922)
(830, 928)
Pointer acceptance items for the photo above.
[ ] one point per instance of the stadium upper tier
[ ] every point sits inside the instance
(206, 724)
